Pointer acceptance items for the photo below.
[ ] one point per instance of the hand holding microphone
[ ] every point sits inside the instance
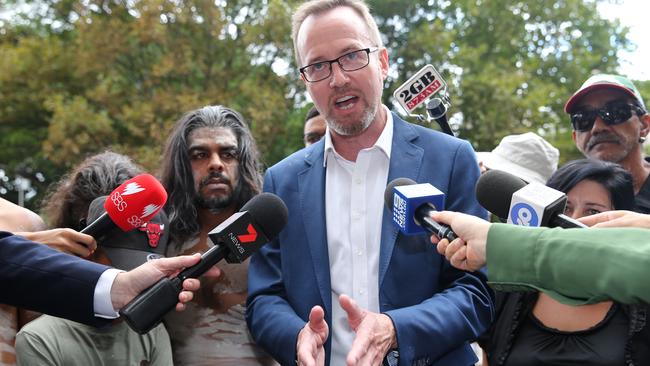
(412, 205)
(259, 221)
(506, 196)
(64, 240)
(468, 251)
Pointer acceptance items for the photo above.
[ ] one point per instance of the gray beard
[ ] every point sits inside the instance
(355, 129)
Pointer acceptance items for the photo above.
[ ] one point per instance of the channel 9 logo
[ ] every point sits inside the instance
(399, 211)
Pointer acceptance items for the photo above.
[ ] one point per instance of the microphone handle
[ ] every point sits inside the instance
(100, 226)
(565, 222)
(444, 125)
(423, 219)
(147, 310)
(208, 259)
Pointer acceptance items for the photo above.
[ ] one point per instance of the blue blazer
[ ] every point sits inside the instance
(36, 277)
(435, 308)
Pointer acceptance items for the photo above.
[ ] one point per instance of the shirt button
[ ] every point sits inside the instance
(360, 252)
(357, 181)
(361, 291)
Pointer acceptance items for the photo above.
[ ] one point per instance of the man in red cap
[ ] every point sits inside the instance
(610, 122)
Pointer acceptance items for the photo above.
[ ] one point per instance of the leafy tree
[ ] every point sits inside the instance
(83, 76)
(117, 75)
(511, 65)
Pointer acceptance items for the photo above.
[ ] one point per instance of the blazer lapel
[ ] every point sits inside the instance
(311, 181)
(405, 162)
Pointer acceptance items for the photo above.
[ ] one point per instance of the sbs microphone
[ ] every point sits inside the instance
(130, 205)
(259, 221)
(511, 199)
(411, 205)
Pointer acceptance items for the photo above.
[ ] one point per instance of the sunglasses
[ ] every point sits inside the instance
(612, 113)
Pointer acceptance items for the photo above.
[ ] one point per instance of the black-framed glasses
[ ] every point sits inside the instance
(612, 113)
(351, 61)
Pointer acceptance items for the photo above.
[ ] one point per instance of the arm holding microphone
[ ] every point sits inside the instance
(573, 266)
(64, 240)
(617, 219)
(39, 278)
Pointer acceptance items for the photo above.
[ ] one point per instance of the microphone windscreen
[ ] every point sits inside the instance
(127, 250)
(135, 201)
(269, 212)
(388, 193)
(494, 190)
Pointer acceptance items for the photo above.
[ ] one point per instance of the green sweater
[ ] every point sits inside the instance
(574, 266)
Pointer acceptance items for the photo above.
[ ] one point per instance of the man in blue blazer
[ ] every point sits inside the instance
(340, 285)
(36, 277)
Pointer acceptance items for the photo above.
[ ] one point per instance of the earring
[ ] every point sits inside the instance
(642, 139)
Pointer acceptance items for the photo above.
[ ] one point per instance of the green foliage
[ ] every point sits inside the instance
(510, 65)
(79, 77)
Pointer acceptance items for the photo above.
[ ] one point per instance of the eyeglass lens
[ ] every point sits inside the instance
(351, 61)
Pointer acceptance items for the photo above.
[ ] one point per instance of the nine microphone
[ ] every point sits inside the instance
(259, 221)
(411, 205)
(511, 199)
(130, 205)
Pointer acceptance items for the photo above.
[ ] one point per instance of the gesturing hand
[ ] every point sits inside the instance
(375, 334)
(310, 348)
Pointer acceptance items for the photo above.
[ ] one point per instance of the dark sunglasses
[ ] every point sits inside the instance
(612, 113)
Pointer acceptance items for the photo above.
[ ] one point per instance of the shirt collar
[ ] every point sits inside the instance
(384, 142)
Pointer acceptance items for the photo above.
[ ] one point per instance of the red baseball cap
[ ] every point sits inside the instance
(604, 81)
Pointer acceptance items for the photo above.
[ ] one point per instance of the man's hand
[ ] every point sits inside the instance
(128, 285)
(617, 219)
(64, 240)
(310, 350)
(375, 334)
(467, 252)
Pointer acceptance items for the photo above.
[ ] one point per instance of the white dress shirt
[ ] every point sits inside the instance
(354, 205)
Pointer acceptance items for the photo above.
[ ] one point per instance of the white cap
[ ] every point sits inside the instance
(528, 156)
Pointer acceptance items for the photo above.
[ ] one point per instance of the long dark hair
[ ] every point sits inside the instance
(616, 180)
(176, 170)
(98, 175)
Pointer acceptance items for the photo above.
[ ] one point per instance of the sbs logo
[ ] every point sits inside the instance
(118, 201)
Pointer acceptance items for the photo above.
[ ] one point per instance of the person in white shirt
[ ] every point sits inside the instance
(340, 284)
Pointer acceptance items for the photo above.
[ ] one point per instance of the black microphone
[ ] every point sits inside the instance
(412, 202)
(534, 204)
(259, 221)
(437, 110)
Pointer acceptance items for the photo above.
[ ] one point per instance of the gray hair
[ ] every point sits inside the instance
(316, 7)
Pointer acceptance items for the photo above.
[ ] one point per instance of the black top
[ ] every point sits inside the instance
(537, 345)
(643, 197)
(518, 338)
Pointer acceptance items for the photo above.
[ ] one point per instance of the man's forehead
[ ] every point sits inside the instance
(223, 136)
(318, 34)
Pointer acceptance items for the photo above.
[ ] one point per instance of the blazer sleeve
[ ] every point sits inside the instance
(272, 321)
(436, 329)
(36, 277)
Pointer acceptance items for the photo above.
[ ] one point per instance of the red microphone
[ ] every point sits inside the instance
(130, 205)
